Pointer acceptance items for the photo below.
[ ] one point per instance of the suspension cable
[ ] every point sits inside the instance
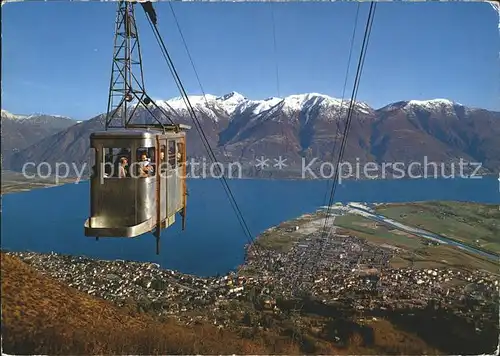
(329, 202)
(354, 94)
(200, 129)
(188, 53)
(226, 186)
(275, 50)
(339, 116)
(357, 79)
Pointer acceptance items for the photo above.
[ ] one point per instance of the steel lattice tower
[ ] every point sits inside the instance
(127, 80)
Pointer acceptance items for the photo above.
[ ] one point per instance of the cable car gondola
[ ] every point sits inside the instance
(138, 181)
(148, 193)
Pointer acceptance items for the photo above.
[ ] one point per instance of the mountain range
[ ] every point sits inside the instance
(21, 131)
(299, 128)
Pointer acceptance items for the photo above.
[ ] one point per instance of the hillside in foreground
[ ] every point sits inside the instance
(43, 316)
(367, 288)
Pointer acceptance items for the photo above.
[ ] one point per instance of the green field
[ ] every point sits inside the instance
(471, 223)
(415, 252)
(476, 221)
(378, 232)
(281, 239)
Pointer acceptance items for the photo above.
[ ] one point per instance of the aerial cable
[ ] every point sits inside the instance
(275, 50)
(188, 52)
(340, 112)
(276, 63)
(126, 73)
(354, 94)
(357, 79)
(169, 64)
(361, 59)
(190, 59)
(329, 202)
(200, 129)
(148, 8)
(197, 123)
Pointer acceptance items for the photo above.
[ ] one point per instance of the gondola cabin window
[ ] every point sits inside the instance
(181, 159)
(115, 163)
(172, 154)
(144, 162)
(163, 159)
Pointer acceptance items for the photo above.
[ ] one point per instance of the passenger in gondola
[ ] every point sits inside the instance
(179, 152)
(122, 168)
(162, 161)
(125, 152)
(145, 167)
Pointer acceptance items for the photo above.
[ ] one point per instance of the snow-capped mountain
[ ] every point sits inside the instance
(231, 101)
(21, 131)
(211, 105)
(443, 106)
(308, 101)
(307, 126)
(36, 116)
(11, 116)
(237, 104)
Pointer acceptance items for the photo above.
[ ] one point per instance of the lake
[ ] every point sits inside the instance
(46, 220)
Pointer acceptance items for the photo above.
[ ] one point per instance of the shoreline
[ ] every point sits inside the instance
(290, 267)
(40, 183)
(319, 211)
(304, 267)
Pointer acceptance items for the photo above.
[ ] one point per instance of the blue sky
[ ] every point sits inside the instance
(56, 56)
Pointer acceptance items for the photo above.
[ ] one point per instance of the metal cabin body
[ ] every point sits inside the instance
(137, 203)
(138, 182)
